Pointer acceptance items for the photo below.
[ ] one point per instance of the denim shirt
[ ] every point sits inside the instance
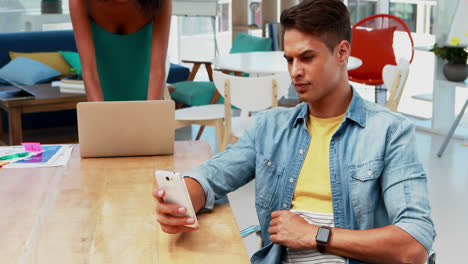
(376, 177)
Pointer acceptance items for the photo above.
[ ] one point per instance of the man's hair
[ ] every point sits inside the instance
(325, 19)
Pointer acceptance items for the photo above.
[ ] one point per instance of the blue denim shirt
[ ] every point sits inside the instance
(376, 177)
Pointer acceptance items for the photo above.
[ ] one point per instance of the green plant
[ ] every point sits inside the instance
(454, 55)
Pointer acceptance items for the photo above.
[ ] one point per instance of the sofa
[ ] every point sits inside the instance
(52, 41)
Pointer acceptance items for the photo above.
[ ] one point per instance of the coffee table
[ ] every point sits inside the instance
(48, 99)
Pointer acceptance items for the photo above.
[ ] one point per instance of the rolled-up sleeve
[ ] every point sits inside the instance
(404, 186)
(228, 170)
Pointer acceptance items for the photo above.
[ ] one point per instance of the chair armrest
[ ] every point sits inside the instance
(255, 229)
(250, 230)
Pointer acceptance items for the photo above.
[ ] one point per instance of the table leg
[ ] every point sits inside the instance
(15, 130)
(443, 110)
(452, 130)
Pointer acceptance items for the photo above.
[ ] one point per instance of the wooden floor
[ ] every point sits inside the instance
(56, 135)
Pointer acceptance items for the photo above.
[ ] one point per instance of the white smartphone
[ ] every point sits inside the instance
(176, 192)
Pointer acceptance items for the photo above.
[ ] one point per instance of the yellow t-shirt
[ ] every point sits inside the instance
(313, 190)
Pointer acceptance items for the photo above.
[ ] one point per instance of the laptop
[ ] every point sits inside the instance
(21, 94)
(127, 128)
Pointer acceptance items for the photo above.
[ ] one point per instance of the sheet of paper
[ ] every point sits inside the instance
(5, 151)
(52, 156)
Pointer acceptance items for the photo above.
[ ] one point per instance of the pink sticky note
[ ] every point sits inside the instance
(32, 146)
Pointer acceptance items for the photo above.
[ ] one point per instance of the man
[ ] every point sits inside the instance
(337, 178)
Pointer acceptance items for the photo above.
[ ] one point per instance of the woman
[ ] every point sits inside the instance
(122, 46)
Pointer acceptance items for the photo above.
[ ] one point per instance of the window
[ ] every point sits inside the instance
(359, 10)
(405, 11)
(12, 15)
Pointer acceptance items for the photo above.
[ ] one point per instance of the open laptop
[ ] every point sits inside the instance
(21, 94)
(127, 128)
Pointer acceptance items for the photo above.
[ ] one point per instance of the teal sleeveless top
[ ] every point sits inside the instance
(123, 62)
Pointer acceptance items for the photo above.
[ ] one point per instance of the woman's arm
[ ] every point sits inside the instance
(84, 43)
(159, 42)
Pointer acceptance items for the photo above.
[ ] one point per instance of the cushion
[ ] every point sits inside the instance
(73, 59)
(195, 93)
(248, 43)
(375, 49)
(26, 71)
(177, 73)
(51, 59)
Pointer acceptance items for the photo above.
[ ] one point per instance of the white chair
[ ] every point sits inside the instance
(205, 115)
(394, 77)
(251, 94)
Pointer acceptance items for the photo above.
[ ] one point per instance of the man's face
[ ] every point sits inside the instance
(316, 72)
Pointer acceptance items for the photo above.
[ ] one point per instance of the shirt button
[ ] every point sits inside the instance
(285, 206)
(269, 163)
(291, 180)
(369, 173)
(301, 151)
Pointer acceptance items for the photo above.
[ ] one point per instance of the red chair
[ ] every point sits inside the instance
(379, 40)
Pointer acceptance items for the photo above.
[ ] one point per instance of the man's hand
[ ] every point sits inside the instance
(169, 223)
(290, 230)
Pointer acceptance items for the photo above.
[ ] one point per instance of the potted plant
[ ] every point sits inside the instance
(456, 69)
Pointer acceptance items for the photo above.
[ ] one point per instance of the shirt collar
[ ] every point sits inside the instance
(356, 111)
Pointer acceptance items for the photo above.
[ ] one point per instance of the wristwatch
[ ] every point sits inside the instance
(322, 238)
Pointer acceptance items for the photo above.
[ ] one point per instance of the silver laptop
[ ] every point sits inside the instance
(21, 94)
(128, 128)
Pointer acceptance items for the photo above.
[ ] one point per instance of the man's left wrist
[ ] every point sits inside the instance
(322, 238)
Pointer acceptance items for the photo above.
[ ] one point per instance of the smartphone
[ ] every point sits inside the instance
(176, 192)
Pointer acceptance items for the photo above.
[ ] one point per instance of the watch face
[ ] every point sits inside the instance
(322, 235)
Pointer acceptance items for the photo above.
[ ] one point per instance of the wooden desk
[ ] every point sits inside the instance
(101, 211)
(49, 99)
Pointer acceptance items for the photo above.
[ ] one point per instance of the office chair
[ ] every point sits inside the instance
(379, 40)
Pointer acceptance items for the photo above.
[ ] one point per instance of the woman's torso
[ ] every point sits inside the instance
(122, 41)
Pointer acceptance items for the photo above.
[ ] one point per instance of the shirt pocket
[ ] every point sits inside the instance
(364, 186)
(266, 181)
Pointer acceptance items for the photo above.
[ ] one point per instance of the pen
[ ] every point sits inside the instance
(13, 156)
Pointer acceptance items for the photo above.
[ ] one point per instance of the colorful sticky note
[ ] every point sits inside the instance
(32, 146)
(466, 33)
(455, 41)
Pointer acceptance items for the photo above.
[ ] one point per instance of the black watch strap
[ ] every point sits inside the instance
(321, 248)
